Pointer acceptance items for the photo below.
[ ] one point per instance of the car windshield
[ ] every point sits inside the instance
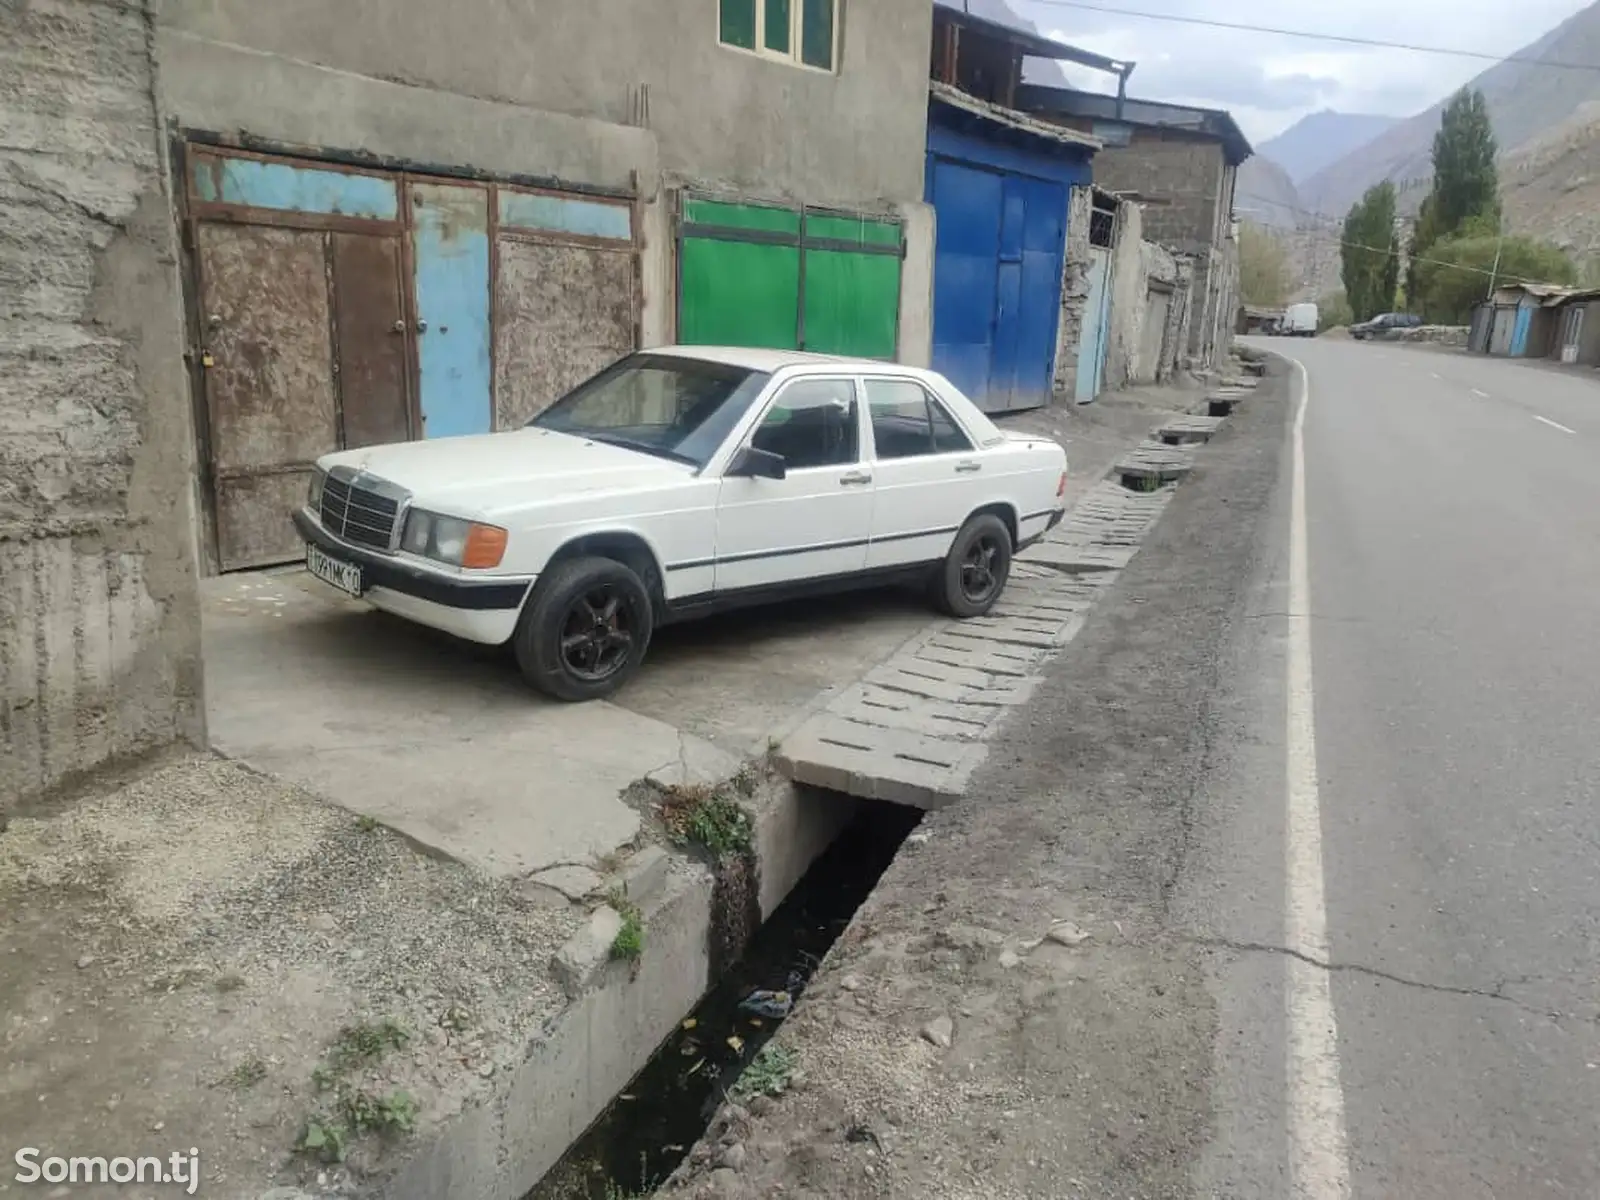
(661, 404)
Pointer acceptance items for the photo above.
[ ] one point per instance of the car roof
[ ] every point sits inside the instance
(804, 362)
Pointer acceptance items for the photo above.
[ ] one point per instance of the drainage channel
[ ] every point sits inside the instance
(652, 1125)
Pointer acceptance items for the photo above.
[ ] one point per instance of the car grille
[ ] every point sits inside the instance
(358, 513)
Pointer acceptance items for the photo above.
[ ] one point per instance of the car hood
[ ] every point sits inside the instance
(518, 466)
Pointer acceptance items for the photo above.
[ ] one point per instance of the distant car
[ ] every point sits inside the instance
(674, 484)
(1384, 324)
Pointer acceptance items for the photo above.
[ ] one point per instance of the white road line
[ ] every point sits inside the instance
(1480, 393)
(1318, 1156)
(1553, 424)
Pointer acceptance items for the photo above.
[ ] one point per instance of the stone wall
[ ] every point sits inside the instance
(99, 611)
(1438, 335)
(1074, 293)
(1180, 183)
(1143, 273)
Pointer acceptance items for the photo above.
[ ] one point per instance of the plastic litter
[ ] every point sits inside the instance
(764, 1003)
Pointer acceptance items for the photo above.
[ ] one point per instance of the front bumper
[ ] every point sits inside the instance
(479, 610)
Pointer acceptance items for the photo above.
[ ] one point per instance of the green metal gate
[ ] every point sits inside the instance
(788, 279)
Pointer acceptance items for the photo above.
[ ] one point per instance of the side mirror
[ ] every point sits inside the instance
(750, 463)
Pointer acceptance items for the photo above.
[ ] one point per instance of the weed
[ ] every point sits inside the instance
(721, 826)
(246, 1075)
(358, 1045)
(366, 824)
(615, 1191)
(389, 1115)
(628, 945)
(323, 1139)
(767, 1075)
(708, 818)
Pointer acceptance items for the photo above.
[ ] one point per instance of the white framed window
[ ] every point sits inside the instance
(803, 32)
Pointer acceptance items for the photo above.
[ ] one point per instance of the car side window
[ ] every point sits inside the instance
(907, 422)
(812, 423)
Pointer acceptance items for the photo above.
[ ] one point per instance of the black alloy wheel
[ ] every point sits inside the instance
(585, 629)
(974, 572)
(597, 636)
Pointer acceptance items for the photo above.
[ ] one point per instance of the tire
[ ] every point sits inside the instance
(571, 601)
(984, 537)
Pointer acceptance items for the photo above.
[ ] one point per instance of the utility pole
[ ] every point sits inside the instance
(1499, 245)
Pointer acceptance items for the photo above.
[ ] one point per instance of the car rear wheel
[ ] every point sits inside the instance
(974, 573)
(585, 630)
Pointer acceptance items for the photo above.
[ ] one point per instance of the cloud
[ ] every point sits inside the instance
(1269, 81)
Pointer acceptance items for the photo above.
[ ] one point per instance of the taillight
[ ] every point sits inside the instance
(1061, 487)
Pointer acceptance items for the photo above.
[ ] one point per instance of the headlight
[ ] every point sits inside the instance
(453, 541)
(314, 492)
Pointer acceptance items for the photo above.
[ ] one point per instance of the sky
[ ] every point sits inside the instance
(1268, 82)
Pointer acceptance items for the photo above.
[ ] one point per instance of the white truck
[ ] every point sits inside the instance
(1299, 320)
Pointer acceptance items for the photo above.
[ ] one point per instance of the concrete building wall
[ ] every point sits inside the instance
(721, 114)
(99, 611)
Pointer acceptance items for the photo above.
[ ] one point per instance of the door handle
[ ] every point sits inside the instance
(965, 467)
(855, 478)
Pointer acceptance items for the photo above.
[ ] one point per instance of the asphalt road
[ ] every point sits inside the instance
(1317, 778)
(1451, 522)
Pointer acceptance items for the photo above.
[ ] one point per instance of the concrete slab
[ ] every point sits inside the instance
(917, 680)
(1076, 559)
(434, 739)
(1153, 462)
(914, 729)
(878, 763)
(1184, 430)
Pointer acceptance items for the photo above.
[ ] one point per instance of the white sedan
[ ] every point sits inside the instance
(677, 483)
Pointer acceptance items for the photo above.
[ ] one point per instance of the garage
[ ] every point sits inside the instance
(999, 185)
(334, 307)
(788, 278)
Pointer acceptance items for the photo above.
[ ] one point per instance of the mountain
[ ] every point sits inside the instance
(1318, 141)
(1526, 100)
(1264, 194)
(1550, 186)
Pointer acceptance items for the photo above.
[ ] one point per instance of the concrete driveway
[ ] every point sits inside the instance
(442, 741)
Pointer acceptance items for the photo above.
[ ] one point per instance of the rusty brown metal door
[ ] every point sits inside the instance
(563, 312)
(269, 381)
(372, 345)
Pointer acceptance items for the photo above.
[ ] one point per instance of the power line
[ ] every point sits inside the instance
(1308, 35)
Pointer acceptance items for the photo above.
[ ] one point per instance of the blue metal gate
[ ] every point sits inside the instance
(1001, 232)
(997, 283)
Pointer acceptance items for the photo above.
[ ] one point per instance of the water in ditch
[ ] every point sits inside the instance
(653, 1124)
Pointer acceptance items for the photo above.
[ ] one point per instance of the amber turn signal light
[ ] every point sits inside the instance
(486, 546)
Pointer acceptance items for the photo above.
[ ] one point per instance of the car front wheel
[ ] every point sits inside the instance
(974, 573)
(585, 630)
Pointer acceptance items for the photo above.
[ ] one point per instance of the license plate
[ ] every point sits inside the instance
(342, 575)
